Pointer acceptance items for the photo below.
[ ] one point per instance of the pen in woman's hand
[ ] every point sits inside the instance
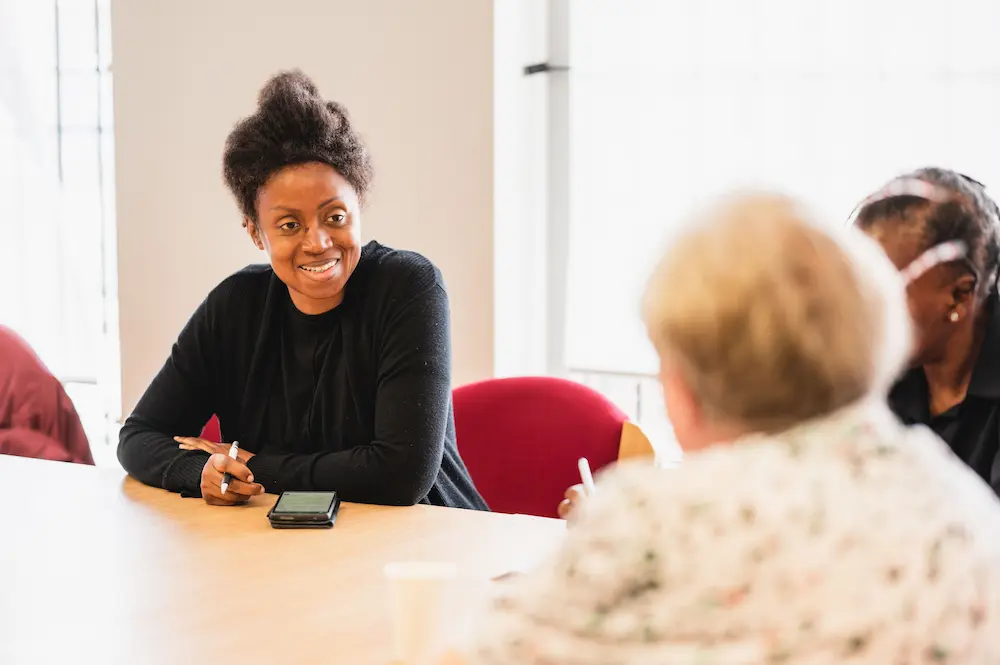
(228, 477)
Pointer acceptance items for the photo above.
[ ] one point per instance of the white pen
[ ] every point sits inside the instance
(228, 477)
(587, 477)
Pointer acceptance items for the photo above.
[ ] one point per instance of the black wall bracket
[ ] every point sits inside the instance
(544, 68)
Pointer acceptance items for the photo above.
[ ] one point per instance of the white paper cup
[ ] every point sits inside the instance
(418, 600)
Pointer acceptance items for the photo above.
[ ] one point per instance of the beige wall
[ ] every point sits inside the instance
(418, 80)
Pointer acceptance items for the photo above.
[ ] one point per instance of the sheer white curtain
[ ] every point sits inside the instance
(57, 286)
(673, 102)
(31, 250)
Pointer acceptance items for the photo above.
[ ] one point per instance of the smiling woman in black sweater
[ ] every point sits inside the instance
(331, 366)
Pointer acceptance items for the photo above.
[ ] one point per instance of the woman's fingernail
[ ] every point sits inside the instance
(250, 479)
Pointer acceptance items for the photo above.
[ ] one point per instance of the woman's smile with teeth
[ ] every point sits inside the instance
(322, 267)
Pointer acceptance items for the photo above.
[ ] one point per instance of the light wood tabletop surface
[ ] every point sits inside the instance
(98, 568)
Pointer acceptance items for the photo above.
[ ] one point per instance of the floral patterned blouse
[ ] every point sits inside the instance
(846, 540)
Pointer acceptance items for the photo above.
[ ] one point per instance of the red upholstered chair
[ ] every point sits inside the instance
(521, 439)
(212, 431)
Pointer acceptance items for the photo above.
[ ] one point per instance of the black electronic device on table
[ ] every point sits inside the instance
(304, 510)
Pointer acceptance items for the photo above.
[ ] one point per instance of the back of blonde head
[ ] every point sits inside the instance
(773, 320)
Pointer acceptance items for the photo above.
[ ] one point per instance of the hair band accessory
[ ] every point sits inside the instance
(953, 250)
(909, 187)
(916, 187)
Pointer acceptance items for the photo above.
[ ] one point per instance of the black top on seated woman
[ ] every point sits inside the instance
(331, 366)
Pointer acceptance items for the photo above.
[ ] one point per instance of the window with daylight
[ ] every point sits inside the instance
(57, 267)
(673, 102)
(666, 104)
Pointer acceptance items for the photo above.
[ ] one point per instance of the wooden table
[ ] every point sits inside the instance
(96, 567)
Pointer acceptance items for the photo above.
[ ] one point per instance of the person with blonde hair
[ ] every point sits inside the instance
(806, 525)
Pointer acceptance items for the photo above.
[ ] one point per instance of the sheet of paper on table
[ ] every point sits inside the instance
(518, 568)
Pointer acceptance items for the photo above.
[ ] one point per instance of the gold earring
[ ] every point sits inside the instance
(954, 317)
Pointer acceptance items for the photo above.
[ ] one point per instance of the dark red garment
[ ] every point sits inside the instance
(521, 439)
(37, 418)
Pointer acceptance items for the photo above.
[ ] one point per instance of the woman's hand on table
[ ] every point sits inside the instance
(241, 487)
(574, 498)
(210, 447)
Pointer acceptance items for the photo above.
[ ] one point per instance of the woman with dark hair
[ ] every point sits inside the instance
(331, 365)
(942, 230)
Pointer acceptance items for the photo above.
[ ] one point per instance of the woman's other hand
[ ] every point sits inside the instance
(210, 447)
(575, 496)
(241, 487)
